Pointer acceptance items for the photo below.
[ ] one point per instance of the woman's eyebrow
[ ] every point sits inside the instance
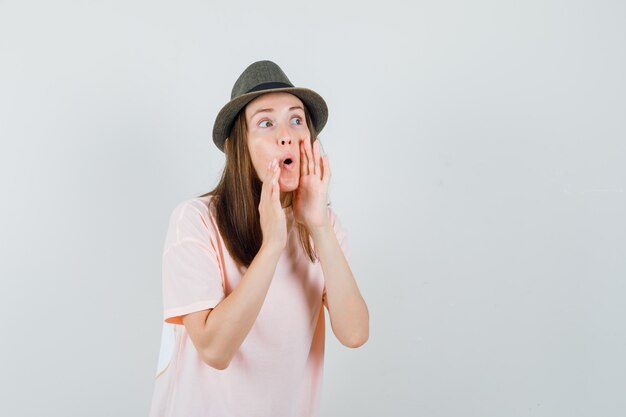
(271, 110)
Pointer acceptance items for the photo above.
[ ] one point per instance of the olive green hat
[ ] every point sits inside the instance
(259, 78)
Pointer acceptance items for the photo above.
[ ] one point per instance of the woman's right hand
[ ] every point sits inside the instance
(273, 220)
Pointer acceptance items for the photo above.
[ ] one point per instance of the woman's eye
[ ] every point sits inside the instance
(298, 118)
(264, 121)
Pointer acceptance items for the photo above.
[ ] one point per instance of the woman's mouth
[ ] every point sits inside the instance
(288, 164)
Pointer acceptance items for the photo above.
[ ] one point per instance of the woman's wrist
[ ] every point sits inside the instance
(271, 249)
(318, 231)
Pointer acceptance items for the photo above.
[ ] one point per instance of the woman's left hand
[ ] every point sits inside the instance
(310, 200)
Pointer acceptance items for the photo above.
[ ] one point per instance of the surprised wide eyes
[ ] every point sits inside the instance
(299, 121)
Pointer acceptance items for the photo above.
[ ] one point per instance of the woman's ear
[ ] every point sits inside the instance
(226, 142)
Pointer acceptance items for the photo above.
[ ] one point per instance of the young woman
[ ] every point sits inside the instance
(249, 266)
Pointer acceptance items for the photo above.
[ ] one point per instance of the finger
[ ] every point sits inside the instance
(316, 158)
(275, 187)
(309, 157)
(325, 169)
(270, 170)
(264, 182)
(303, 165)
(267, 181)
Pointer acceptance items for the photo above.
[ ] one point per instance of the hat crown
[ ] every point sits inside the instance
(260, 75)
(257, 79)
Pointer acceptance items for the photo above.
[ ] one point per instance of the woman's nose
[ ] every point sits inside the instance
(285, 137)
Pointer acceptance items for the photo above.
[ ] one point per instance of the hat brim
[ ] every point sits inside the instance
(223, 122)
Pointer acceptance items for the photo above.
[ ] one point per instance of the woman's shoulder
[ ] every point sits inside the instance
(200, 204)
(193, 211)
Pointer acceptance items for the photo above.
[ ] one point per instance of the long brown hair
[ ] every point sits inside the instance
(237, 196)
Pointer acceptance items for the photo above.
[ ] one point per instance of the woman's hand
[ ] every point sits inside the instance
(310, 200)
(273, 219)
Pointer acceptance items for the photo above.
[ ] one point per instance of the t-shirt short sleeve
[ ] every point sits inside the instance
(342, 237)
(192, 275)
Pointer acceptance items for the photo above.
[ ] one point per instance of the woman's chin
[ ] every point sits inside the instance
(288, 186)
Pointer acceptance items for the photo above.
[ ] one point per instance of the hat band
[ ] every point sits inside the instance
(268, 86)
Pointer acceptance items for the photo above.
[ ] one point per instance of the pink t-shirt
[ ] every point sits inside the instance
(278, 369)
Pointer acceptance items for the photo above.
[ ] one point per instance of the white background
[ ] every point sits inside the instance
(478, 152)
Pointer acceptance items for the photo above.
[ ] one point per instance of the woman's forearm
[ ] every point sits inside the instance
(349, 317)
(230, 321)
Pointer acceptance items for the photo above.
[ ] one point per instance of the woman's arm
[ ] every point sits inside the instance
(349, 317)
(218, 333)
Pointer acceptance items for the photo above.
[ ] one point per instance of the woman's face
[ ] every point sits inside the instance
(276, 125)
